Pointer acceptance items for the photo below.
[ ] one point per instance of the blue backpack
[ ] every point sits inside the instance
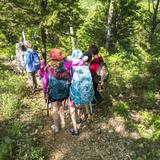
(81, 89)
(57, 89)
(36, 61)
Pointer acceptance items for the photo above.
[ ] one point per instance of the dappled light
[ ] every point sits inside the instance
(80, 80)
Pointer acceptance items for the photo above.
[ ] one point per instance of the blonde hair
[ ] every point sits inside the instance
(28, 44)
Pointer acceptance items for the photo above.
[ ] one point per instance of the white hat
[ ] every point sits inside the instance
(77, 55)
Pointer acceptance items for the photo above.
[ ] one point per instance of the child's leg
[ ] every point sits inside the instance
(62, 115)
(78, 112)
(87, 109)
(55, 114)
(73, 117)
(87, 114)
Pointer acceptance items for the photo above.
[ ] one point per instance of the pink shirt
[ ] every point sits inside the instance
(41, 70)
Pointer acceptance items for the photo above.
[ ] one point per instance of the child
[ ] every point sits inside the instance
(94, 65)
(56, 87)
(42, 68)
(20, 59)
(81, 89)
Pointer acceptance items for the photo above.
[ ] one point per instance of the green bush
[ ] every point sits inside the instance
(9, 105)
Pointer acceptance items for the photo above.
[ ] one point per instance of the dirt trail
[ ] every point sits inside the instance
(106, 137)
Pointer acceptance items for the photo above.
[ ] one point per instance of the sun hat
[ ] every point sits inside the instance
(77, 55)
(56, 54)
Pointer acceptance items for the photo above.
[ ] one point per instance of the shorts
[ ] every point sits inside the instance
(55, 100)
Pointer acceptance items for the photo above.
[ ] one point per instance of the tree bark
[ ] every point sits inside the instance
(154, 21)
(43, 5)
(72, 37)
(149, 5)
(71, 30)
(109, 32)
(23, 37)
(43, 37)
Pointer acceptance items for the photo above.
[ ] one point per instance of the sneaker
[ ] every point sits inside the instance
(79, 120)
(55, 128)
(73, 132)
(50, 105)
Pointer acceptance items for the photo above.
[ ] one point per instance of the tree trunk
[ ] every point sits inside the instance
(43, 37)
(154, 21)
(23, 37)
(109, 32)
(149, 5)
(71, 31)
(72, 37)
(43, 5)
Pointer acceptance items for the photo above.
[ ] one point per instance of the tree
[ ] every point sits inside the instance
(154, 20)
(110, 25)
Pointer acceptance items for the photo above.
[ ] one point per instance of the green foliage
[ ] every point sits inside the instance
(6, 148)
(134, 86)
(13, 89)
(9, 105)
(93, 30)
(16, 138)
(120, 108)
(150, 126)
(16, 143)
(125, 23)
(134, 67)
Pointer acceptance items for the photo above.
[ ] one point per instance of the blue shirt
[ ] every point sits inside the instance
(28, 58)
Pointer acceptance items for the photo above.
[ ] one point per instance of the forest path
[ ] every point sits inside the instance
(106, 137)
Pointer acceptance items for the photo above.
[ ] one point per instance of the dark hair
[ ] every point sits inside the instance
(93, 49)
(89, 55)
(35, 48)
(23, 48)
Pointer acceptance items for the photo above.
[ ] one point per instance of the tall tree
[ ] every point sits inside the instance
(154, 20)
(110, 25)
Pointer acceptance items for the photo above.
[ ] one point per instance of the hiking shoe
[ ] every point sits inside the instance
(73, 132)
(55, 128)
(50, 105)
(79, 120)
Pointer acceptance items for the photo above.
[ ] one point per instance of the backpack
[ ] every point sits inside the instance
(81, 89)
(102, 74)
(36, 61)
(58, 89)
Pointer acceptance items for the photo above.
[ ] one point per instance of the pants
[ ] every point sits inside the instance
(97, 95)
(32, 80)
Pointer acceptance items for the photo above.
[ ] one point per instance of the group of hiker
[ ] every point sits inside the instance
(71, 80)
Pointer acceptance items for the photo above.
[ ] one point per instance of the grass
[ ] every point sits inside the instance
(133, 93)
(134, 86)
(17, 139)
